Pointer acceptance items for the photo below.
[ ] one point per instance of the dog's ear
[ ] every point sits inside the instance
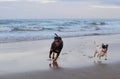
(102, 44)
(107, 45)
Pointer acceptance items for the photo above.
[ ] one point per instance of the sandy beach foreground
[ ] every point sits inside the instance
(29, 60)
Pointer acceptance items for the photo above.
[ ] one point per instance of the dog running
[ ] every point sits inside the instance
(56, 47)
(101, 51)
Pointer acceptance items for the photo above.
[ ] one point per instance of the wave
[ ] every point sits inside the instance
(92, 27)
(69, 30)
(32, 37)
(65, 29)
(84, 28)
(5, 29)
(10, 29)
(28, 29)
(98, 23)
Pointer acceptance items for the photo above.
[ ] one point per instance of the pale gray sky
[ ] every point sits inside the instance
(36, 9)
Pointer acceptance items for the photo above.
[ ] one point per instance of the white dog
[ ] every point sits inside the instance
(101, 51)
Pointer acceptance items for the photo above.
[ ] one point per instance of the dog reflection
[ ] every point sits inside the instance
(54, 65)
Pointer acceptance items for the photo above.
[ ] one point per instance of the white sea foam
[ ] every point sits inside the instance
(5, 29)
(28, 29)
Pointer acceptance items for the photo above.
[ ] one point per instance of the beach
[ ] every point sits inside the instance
(29, 59)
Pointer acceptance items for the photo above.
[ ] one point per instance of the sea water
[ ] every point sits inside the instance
(14, 30)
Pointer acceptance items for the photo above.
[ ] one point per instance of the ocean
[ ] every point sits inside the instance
(15, 30)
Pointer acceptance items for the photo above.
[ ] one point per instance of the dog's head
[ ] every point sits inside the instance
(104, 46)
(57, 37)
(57, 40)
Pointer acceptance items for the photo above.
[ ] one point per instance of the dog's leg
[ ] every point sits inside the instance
(106, 56)
(56, 56)
(53, 56)
(50, 53)
(100, 56)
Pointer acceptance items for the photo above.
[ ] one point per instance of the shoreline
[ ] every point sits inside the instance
(77, 36)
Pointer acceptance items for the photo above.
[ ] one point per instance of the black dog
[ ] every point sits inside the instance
(56, 47)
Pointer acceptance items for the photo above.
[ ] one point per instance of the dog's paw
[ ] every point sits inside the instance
(48, 59)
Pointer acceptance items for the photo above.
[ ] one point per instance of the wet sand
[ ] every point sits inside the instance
(98, 71)
(29, 60)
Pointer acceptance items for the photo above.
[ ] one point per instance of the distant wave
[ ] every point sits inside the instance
(69, 30)
(91, 27)
(5, 29)
(28, 29)
(10, 29)
(98, 23)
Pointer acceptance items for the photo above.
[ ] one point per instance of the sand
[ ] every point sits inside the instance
(29, 60)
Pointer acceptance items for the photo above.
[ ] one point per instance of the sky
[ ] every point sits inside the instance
(45, 9)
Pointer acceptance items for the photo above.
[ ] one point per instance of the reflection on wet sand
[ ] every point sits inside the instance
(54, 65)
